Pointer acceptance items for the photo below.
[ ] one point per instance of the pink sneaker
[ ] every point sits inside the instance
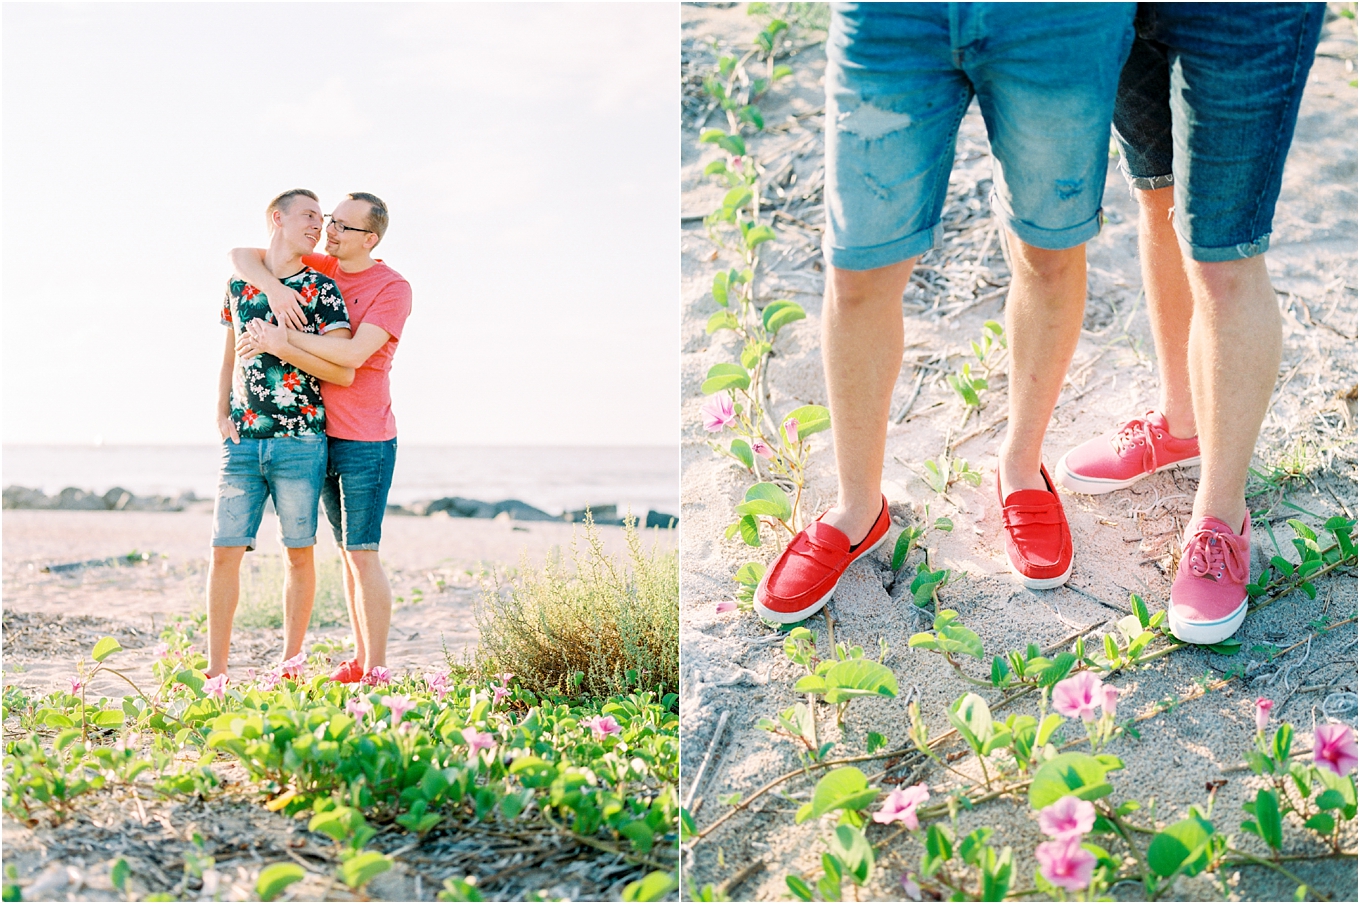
(1209, 595)
(1120, 459)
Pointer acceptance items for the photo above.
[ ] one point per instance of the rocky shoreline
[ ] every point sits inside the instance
(122, 500)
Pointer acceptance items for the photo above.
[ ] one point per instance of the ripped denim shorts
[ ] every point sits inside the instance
(291, 469)
(899, 78)
(1207, 102)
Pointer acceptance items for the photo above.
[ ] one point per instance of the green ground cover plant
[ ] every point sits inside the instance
(415, 754)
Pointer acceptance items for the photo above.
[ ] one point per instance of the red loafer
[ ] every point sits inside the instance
(1038, 541)
(804, 577)
(350, 672)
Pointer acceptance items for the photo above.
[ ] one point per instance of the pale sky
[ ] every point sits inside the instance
(527, 154)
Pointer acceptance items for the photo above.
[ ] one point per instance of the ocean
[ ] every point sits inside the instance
(555, 479)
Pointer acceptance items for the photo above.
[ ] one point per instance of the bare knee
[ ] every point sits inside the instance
(1158, 203)
(363, 562)
(300, 557)
(227, 556)
(1047, 265)
(855, 290)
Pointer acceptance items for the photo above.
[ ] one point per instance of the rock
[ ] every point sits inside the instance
(76, 499)
(600, 514)
(17, 497)
(394, 509)
(117, 499)
(522, 511)
(661, 519)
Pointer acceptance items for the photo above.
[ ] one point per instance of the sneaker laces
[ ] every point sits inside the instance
(1138, 431)
(1210, 552)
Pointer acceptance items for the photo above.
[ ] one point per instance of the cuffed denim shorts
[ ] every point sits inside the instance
(289, 468)
(899, 78)
(1207, 102)
(358, 478)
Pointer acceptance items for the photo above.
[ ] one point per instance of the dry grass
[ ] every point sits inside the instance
(602, 628)
(261, 603)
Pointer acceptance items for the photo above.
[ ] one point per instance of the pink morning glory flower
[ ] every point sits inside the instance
(1066, 863)
(1109, 699)
(504, 677)
(603, 726)
(726, 606)
(437, 679)
(477, 740)
(377, 676)
(1067, 817)
(359, 707)
(128, 742)
(292, 668)
(762, 449)
(76, 684)
(399, 704)
(216, 687)
(269, 680)
(718, 412)
(160, 650)
(791, 430)
(901, 806)
(1334, 748)
(1263, 706)
(1079, 696)
(498, 694)
(910, 888)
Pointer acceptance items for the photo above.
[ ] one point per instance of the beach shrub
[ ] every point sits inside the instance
(602, 628)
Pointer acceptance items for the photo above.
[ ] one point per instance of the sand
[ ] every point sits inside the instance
(1125, 540)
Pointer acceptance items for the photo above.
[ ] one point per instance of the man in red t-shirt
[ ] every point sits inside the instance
(360, 428)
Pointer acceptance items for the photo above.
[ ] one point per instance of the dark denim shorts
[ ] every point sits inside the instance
(899, 78)
(358, 476)
(288, 468)
(1207, 102)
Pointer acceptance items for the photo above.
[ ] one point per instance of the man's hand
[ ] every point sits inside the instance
(227, 427)
(286, 304)
(261, 338)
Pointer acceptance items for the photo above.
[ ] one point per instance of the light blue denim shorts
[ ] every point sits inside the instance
(291, 469)
(899, 78)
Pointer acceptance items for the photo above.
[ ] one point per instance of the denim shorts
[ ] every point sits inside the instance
(1207, 102)
(288, 468)
(355, 495)
(899, 78)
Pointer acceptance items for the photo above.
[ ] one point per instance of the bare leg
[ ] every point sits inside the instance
(1170, 305)
(862, 354)
(1043, 322)
(374, 605)
(352, 604)
(224, 591)
(1235, 344)
(299, 594)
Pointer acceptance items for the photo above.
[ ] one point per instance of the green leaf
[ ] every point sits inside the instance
(741, 450)
(1330, 800)
(811, 419)
(1322, 823)
(845, 788)
(780, 71)
(758, 235)
(1227, 647)
(955, 638)
(1268, 818)
(750, 530)
(118, 874)
(275, 878)
(106, 647)
(1076, 774)
(781, 313)
(737, 197)
(721, 320)
(874, 741)
(1181, 847)
(1139, 609)
(1062, 664)
(725, 376)
(359, 870)
(109, 718)
(1284, 740)
(852, 849)
(999, 670)
(655, 886)
(750, 574)
(859, 678)
(902, 547)
(801, 890)
(720, 284)
(766, 499)
(971, 716)
(752, 115)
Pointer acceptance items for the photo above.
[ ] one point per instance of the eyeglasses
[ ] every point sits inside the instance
(331, 221)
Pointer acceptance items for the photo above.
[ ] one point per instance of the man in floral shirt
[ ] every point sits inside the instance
(272, 421)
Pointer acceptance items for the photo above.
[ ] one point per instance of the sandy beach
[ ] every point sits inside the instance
(1125, 541)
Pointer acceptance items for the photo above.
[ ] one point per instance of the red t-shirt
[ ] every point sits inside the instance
(378, 295)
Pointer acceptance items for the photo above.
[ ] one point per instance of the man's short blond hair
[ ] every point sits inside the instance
(377, 212)
(284, 202)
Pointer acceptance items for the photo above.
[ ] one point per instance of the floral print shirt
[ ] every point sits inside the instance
(272, 398)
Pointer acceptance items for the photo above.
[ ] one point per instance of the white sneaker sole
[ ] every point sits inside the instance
(1040, 583)
(1198, 632)
(788, 618)
(1096, 486)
